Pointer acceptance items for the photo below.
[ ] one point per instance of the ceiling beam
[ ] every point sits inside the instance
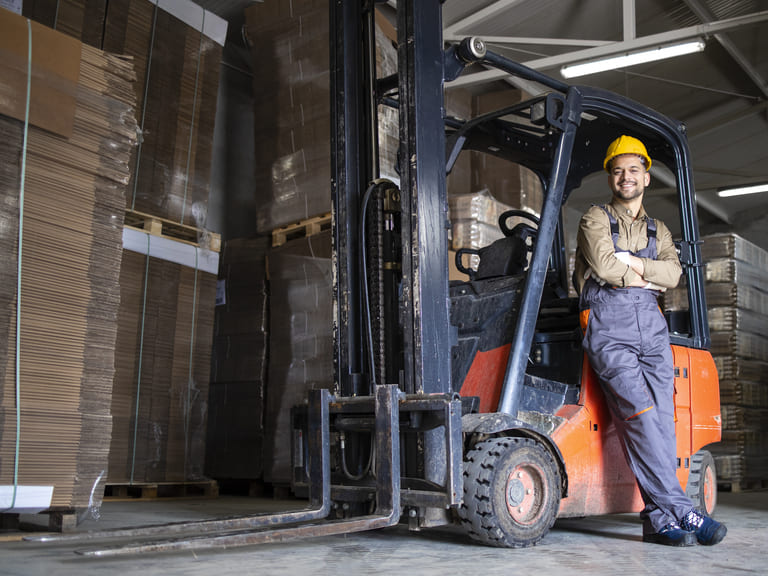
(704, 14)
(704, 127)
(488, 12)
(628, 19)
(666, 177)
(699, 30)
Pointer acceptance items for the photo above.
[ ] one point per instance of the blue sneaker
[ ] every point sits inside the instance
(672, 535)
(708, 531)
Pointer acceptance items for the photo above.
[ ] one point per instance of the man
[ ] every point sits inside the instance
(624, 260)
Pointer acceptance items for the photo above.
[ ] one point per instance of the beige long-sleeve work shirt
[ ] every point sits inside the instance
(595, 249)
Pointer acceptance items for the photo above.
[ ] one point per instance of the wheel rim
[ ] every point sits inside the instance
(525, 492)
(709, 490)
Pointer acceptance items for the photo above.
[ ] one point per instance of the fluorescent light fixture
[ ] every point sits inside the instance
(631, 59)
(725, 193)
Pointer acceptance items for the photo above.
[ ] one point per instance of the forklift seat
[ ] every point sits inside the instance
(506, 256)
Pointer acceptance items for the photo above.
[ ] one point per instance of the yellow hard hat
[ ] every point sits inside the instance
(626, 145)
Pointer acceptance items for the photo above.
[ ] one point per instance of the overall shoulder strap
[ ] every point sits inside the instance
(651, 232)
(614, 225)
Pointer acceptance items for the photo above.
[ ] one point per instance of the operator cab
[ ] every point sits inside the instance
(484, 308)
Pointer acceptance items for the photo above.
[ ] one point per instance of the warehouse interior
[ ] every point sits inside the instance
(166, 169)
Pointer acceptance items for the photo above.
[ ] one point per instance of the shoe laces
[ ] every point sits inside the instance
(672, 526)
(694, 519)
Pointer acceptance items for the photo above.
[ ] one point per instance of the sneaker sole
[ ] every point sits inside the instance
(688, 540)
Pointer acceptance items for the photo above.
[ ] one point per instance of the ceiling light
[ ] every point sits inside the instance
(631, 59)
(724, 193)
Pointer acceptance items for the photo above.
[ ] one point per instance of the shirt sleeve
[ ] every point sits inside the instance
(596, 246)
(666, 269)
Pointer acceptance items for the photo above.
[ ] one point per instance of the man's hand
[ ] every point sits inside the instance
(632, 261)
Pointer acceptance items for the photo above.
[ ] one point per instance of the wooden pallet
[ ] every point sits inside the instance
(301, 229)
(158, 490)
(173, 230)
(59, 520)
(742, 485)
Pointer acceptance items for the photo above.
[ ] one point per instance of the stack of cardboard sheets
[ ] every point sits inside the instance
(162, 365)
(168, 286)
(177, 47)
(737, 276)
(75, 177)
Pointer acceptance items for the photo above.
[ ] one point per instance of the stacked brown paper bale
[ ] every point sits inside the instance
(238, 372)
(162, 365)
(737, 276)
(72, 242)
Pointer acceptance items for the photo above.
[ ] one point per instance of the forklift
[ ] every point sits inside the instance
(465, 402)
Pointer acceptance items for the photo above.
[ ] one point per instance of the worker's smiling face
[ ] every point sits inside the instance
(628, 177)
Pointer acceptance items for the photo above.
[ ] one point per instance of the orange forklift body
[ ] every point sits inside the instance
(599, 480)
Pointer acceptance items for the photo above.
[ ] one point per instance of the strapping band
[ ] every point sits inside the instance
(18, 270)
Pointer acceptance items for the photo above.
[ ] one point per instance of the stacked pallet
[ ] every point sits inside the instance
(169, 267)
(289, 47)
(737, 276)
(238, 373)
(177, 48)
(55, 420)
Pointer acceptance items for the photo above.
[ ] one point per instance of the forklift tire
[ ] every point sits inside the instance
(702, 482)
(511, 492)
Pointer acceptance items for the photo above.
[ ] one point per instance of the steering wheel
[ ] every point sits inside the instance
(522, 230)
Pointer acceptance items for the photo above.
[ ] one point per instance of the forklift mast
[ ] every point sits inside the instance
(425, 310)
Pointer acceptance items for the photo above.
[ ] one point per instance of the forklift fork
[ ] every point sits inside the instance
(252, 529)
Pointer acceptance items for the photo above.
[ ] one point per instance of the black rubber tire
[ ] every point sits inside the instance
(511, 492)
(702, 482)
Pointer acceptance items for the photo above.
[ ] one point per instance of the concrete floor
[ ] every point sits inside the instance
(605, 545)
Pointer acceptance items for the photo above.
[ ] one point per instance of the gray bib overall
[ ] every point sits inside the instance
(627, 342)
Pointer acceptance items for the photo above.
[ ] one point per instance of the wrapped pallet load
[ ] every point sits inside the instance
(162, 365)
(176, 46)
(301, 341)
(170, 262)
(68, 127)
(290, 55)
